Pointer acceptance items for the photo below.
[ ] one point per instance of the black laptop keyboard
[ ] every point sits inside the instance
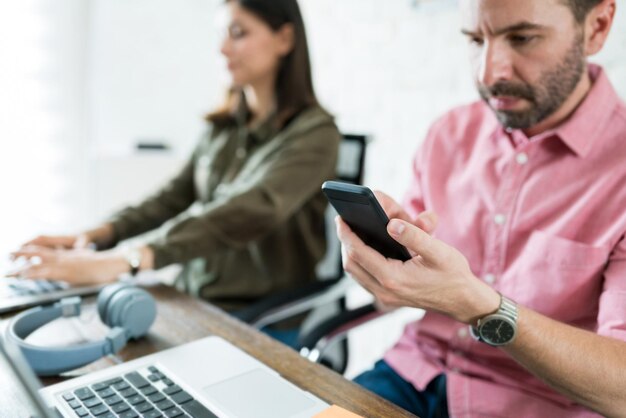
(144, 393)
(10, 287)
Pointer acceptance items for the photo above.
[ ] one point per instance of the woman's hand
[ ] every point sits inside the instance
(102, 235)
(59, 242)
(78, 267)
(438, 278)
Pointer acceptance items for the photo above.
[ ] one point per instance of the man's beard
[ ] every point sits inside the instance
(546, 97)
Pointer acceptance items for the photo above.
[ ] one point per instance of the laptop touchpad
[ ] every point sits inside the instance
(258, 394)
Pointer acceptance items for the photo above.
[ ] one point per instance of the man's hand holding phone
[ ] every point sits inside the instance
(426, 221)
(437, 278)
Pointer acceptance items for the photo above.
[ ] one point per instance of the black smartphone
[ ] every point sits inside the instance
(359, 208)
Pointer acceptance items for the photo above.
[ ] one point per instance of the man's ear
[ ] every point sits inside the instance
(598, 25)
(286, 38)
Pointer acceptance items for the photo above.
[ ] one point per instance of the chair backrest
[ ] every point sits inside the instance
(350, 168)
(351, 161)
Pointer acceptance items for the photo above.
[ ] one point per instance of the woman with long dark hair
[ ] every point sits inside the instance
(245, 215)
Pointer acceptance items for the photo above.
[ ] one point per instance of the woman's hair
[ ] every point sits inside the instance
(294, 83)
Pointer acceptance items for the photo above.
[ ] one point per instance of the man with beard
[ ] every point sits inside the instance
(529, 254)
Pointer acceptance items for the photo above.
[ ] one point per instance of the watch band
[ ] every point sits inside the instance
(508, 308)
(133, 257)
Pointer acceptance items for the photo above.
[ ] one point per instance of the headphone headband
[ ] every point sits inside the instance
(128, 310)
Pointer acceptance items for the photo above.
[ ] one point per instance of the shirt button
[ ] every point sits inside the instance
(462, 332)
(521, 158)
(490, 278)
(499, 219)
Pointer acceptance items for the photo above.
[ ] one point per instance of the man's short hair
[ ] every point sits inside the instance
(581, 8)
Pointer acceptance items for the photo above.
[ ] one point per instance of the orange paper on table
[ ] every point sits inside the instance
(336, 412)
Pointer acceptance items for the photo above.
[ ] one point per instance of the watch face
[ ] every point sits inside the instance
(497, 331)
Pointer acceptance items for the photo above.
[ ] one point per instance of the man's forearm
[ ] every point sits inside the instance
(584, 366)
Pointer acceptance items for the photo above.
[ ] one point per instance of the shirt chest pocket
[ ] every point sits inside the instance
(557, 276)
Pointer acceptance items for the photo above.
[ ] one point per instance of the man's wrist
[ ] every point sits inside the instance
(481, 301)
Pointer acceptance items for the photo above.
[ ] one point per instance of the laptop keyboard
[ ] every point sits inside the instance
(10, 287)
(145, 393)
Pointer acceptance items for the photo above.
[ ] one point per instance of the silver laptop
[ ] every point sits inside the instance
(205, 378)
(16, 373)
(17, 294)
(22, 293)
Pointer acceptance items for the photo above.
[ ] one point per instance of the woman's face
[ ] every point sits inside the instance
(252, 49)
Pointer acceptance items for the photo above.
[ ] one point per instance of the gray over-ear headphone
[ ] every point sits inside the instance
(129, 312)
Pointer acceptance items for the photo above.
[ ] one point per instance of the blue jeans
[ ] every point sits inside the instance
(286, 336)
(432, 402)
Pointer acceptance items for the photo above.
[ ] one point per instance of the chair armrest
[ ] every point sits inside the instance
(313, 344)
(291, 303)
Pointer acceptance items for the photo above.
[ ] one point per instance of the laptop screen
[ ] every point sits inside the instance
(17, 377)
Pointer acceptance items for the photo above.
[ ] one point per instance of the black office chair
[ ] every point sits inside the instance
(324, 299)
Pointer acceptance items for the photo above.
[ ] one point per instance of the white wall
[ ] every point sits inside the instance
(43, 171)
(154, 72)
(387, 71)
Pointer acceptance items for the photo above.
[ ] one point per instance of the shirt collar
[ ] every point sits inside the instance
(591, 117)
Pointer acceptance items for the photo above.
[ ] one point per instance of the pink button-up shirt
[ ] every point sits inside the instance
(543, 221)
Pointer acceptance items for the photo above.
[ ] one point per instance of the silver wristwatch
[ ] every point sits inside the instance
(499, 328)
(133, 257)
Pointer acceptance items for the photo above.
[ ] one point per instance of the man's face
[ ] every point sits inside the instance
(527, 55)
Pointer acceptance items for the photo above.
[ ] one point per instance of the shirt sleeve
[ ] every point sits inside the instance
(612, 309)
(170, 200)
(253, 207)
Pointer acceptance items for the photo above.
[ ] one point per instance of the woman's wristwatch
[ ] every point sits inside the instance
(133, 257)
(499, 328)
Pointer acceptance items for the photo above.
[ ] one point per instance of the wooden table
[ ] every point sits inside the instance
(182, 319)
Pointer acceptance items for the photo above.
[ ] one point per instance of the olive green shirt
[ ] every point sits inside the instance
(245, 214)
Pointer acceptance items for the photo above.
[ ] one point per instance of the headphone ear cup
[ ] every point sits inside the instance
(132, 309)
(105, 296)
